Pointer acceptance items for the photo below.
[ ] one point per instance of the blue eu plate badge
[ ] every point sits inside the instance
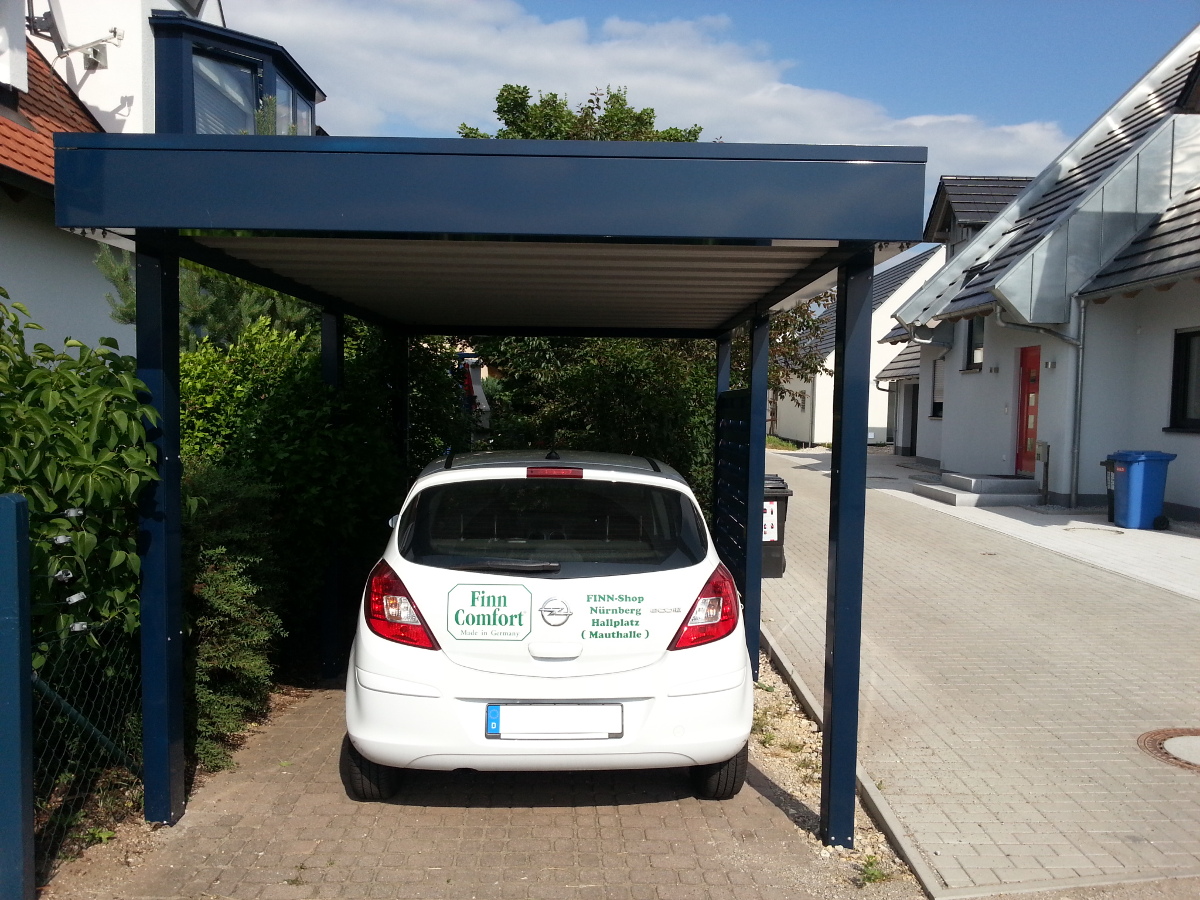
(493, 719)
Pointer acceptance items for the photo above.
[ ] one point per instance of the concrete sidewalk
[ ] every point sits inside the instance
(1008, 669)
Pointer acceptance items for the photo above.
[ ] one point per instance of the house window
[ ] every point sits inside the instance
(974, 344)
(293, 114)
(939, 388)
(226, 95)
(1185, 383)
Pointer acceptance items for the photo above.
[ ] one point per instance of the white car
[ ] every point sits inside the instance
(557, 611)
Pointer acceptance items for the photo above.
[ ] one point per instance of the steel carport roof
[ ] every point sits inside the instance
(453, 235)
(457, 236)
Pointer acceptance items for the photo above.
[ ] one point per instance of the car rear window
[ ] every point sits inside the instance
(577, 527)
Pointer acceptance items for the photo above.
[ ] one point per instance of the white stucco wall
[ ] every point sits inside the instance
(1127, 395)
(816, 424)
(929, 430)
(121, 96)
(52, 272)
(795, 423)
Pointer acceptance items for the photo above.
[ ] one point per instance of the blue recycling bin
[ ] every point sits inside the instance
(1141, 482)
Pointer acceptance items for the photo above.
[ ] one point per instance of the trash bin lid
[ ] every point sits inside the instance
(1141, 455)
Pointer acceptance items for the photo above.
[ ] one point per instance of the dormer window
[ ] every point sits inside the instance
(293, 114)
(226, 94)
(212, 80)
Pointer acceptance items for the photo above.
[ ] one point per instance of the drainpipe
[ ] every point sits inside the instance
(1077, 400)
(929, 341)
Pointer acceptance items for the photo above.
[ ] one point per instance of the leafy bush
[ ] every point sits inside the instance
(334, 461)
(232, 622)
(640, 396)
(74, 444)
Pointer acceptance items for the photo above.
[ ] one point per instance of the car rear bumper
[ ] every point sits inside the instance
(448, 732)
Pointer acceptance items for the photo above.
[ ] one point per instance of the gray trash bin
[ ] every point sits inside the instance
(775, 504)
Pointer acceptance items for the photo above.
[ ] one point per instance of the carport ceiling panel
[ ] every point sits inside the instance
(464, 284)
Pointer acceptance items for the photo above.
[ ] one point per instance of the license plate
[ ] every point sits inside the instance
(554, 721)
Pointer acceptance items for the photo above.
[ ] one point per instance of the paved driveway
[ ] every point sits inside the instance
(280, 827)
(1004, 689)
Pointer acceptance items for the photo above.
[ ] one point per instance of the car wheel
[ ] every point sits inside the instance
(720, 781)
(365, 780)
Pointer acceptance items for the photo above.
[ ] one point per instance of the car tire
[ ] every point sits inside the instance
(365, 780)
(723, 780)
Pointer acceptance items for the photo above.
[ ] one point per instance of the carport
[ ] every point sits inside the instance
(433, 236)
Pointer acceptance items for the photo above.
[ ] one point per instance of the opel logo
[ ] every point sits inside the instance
(555, 612)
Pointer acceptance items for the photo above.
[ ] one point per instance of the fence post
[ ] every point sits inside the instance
(16, 703)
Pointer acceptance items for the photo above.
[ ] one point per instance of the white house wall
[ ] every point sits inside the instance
(52, 273)
(815, 425)
(929, 430)
(794, 423)
(120, 96)
(1127, 395)
(1126, 398)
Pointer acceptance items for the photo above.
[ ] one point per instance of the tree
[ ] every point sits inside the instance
(605, 116)
(212, 304)
(605, 393)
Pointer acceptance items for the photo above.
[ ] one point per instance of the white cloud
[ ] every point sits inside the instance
(424, 66)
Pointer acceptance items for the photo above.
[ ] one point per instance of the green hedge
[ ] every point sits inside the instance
(74, 444)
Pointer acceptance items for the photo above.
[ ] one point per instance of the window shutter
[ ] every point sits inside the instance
(939, 380)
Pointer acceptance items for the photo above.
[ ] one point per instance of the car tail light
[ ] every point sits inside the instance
(553, 472)
(391, 612)
(713, 616)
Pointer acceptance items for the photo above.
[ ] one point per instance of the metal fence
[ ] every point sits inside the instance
(70, 726)
(86, 741)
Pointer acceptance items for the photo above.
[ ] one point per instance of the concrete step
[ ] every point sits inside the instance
(957, 497)
(988, 484)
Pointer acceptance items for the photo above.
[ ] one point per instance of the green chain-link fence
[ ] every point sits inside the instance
(87, 739)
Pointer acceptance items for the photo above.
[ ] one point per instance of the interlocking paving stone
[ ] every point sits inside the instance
(280, 827)
(1003, 689)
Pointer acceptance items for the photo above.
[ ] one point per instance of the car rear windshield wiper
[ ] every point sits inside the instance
(508, 565)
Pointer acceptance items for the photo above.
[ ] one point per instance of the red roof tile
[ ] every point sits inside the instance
(50, 107)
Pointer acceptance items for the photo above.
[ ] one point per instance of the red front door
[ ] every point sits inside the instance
(1027, 409)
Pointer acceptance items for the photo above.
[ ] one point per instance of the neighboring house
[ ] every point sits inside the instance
(1069, 326)
(50, 271)
(809, 421)
(961, 207)
(82, 65)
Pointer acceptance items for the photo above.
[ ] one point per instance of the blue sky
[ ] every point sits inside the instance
(1003, 60)
(990, 86)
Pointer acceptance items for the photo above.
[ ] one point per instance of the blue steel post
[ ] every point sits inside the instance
(16, 703)
(847, 510)
(724, 343)
(159, 542)
(332, 638)
(760, 334)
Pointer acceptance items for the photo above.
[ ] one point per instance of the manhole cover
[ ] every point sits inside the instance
(1177, 746)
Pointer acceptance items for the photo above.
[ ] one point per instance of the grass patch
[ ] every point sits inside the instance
(778, 443)
(872, 872)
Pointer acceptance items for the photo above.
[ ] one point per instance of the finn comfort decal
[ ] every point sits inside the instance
(614, 616)
(489, 612)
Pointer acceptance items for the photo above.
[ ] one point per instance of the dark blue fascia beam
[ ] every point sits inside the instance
(602, 189)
